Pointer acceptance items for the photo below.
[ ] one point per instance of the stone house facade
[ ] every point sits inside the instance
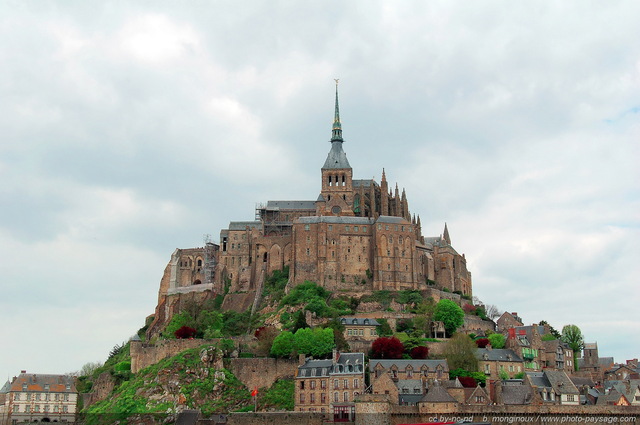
(492, 360)
(330, 386)
(41, 398)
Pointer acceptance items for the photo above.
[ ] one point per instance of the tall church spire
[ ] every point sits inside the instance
(336, 131)
(446, 237)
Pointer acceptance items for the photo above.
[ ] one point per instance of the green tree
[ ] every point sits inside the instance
(283, 345)
(177, 321)
(450, 314)
(338, 334)
(572, 335)
(552, 330)
(384, 329)
(496, 340)
(460, 352)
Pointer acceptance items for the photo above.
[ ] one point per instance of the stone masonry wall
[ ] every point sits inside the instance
(262, 372)
(144, 354)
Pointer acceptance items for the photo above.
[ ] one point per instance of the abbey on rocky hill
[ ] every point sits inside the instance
(356, 236)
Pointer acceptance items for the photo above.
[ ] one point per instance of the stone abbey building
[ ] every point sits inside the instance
(358, 235)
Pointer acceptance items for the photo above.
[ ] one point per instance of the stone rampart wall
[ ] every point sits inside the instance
(262, 372)
(289, 418)
(145, 354)
(473, 324)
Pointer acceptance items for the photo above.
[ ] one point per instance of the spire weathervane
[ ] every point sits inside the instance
(336, 131)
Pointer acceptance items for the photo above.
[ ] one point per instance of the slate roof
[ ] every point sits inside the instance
(359, 321)
(402, 364)
(331, 219)
(5, 388)
(553, 379)
(337, 158)
(627, 388)
(516, 394)
(348, 363)
(497, 354)
(391, 219)
(409, 384)
(291, 205)
(242, 225)
(438, 394)
(38, 383)
(364, 183)
(579, 381)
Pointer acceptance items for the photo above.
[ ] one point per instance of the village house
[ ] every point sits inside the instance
(330, 386)
(406, 380)
(491, 361)
(552, 387)
(40, 398)
(359, 332)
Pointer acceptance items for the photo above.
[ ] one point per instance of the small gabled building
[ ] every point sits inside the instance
(557, 355)
(437, 399)
(330, 386)
(406, 380)
(513, 392)
(552, 387)
(527, 343)
(508, 321)
(493, 360)
(41, 398)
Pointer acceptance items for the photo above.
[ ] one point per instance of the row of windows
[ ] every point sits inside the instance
(45, 408)
(409, 372)
(323, 397)
(336, 383)
(396, 228)
(360, 332)
(41, 396)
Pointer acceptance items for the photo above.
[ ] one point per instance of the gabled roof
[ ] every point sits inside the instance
(348, 363)
(42, 382)
(560, 382)
(437, 394)
(516, 394)
(359, 321)
(392, 220)
(402, 364)
(497, 354)
(5, 388)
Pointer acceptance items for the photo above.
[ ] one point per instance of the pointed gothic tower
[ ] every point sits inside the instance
(445, 235)
(337, 175)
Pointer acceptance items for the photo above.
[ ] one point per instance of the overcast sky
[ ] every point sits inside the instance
(129, 129)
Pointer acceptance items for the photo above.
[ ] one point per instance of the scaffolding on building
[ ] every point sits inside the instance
(209, 267)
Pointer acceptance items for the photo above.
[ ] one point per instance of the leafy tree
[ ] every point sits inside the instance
(208, 320)
(418, 353)
(463, 373)
(503, 375)
(185, 332)
(177, 321)
(384, 329)
(404, 325)
(323, 342)
(572, 335)
(301, 322)
(552, 330)
(338, 334)
(460, 353)
(265, 336)
(387, 348)
(548, 337)
(412, 298)
(482, 342)
(496, 340)
(283, 345)
(450, 314)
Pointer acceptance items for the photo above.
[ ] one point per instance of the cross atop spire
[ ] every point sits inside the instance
(336, 131)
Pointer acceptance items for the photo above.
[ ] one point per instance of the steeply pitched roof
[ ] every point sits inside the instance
(348, 363)
(38, 382)
(560, 382)
(402, 364)
(516, 394)
(337, 158)
(359, 321)
(497, 354)
(437, 394)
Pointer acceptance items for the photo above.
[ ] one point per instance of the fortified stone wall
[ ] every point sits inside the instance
(475, 324)
(498, 414)
(262, 372)
(265, 418)
(144, 354)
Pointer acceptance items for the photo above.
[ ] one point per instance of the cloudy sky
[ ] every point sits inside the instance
(129, 129)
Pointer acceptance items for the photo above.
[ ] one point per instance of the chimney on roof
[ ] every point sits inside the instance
(23, 371)
(514, 314)
(335, 356)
